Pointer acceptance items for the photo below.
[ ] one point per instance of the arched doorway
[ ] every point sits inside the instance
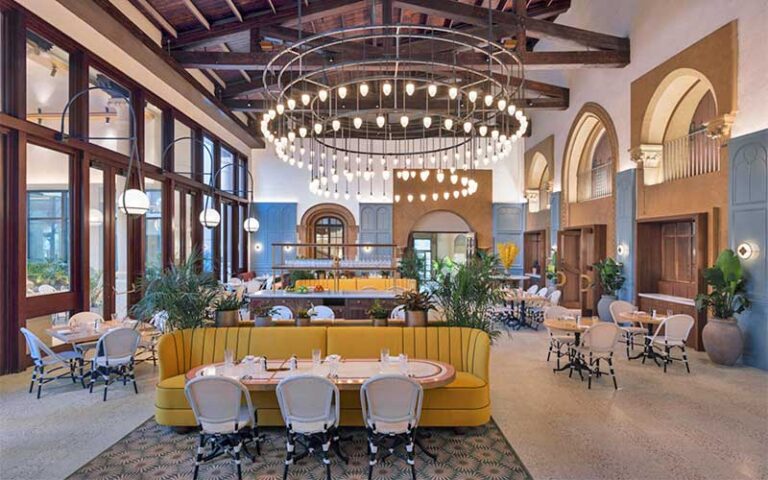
(438, 235)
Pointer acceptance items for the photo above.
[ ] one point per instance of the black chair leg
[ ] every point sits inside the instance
(685, 359)
(199, 456)
(40, 377)
(34, 377)
(666, 358)
(613, 373)
(236, 452)
(409, 448)
(327, 461)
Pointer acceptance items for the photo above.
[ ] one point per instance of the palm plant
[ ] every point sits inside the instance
(728, 294)
(182, 291)
(466, 293)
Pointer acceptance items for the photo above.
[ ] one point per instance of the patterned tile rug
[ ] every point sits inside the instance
(155, 452)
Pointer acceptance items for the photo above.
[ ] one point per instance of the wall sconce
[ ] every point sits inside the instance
(367, 249)
(622, 249)
(287, 248)
(257, 246)
(746, 250)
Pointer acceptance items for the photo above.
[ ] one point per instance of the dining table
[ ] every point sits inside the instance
(83, 333)
(523, 300)
(652, 322)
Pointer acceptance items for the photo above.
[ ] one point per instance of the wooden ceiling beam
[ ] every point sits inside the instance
(576, 59)
(153, 14)
(537, 28)
(262, 18)
(292, 35)
(196, 13)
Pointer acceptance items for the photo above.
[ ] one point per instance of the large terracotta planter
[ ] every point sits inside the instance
(227, 318)
(415, 318)
(603, 307)
(723, 340)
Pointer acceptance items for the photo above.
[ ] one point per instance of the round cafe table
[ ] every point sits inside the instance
(652, 323)
(351, 374)
(571, 326)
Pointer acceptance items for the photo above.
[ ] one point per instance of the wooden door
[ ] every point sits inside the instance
(535, 255)
(569, 261)
(592, 250)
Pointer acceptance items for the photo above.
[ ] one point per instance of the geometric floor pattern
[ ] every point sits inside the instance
(155, 452)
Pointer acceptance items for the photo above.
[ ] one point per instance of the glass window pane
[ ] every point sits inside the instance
(47, 82)
(208, 152)
(121, 253)
(109, 114)
(153, 227)
(188, 225)
(208, 236)
(48, 221)
(243, 178)
(96, 243)
(176, 226)
(227, 174)
(182, 153)
(153, 135)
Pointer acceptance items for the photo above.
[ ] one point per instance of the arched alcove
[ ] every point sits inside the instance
(537, 183)
(441, 221)
(322, 218)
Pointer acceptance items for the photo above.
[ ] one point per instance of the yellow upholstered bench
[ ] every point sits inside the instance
(464, 402)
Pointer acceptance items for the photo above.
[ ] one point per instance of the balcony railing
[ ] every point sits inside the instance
(690, 155)
(595, 183)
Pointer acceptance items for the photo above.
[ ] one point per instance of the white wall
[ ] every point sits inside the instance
(657, 29)
(277, 181)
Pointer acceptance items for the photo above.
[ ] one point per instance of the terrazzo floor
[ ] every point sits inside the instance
(711, 424)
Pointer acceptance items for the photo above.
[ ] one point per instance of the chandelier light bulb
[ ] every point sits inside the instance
(440, 176)
(423, 197)
(432, 89)
(435, 196)
(322, 94)
(456, 194)
(335, 178)
(386, 88)
(483, 130)
(464, 192)
(327, 194)
(427, 122)
(473, 96)
(464, 181)
(511, 109)
(363, 89)
(318, 128)
(397, 198)
(454, 178)
(404, 121)
(446, 195)
(380, 121)
(302, 132)
(305, 99)
(342, 92)
(488, 100)
(346, 196)
(502, 104)
(300, 164)
(410, 88)
(272, 114)
(291, 136)
(280, 108)
(448, 124)
(424, 175)
(336, 125)
(336, 195)
(495, 134)
(358, 122)
(291, 104)
(519, 114)
(453, 92)
(410, 198)
(385, 174)
(413, 173)
(467, 127)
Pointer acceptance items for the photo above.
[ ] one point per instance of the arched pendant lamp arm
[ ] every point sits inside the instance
(213, 186)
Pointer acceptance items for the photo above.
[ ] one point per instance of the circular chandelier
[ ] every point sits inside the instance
(404, 102)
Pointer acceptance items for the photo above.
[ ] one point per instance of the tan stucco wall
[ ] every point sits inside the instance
(476, 210)
(595, 212)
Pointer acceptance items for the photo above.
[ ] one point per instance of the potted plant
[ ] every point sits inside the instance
(417, 305)
(226, 309)
(262, 315)
(411, 266)
(302, 317)
(466, 293)
(551, 269)
(379, 314)
(611, 281)
(182, 291)
(723, 339)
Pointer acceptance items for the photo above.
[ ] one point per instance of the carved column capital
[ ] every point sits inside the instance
(646, 155)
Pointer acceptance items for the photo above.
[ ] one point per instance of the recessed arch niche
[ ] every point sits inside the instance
(310, 219)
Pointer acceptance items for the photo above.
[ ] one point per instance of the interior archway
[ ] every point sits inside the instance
(314, 218)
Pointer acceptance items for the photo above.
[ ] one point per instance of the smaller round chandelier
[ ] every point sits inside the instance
(405, 103)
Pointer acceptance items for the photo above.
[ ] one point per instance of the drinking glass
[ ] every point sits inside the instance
(384, 357)
(316, 355)
(403, 358)
(229, 358)
(669, 313)
(113, 317)
(333, 367)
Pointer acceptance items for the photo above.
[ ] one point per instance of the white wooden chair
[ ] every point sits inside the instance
(391, 407)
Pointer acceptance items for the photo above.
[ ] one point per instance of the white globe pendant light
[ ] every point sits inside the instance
(453, 92)
(318, 128)
(435, 196)
(251, 225)
(502, 104)
(280, 108)
(448, 123)
(133, 202)
(473, 96)
(440, 176)
(488, 100)
(467, 127)
(424, 175)
(210, 218)
(336, 125)
(291, 104)
(302, 132)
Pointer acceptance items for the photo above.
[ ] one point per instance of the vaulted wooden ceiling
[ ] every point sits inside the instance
(224, 38)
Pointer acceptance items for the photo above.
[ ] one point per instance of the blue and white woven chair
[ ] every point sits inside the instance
(115, 358)
(43, 357)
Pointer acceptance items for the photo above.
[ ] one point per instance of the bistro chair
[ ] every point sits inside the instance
(398, 312)
(224, 411)
(321, 312)
(281, 312)
(115, 358)
(629, 330)
(88, 320)
(554, 297)
(676, 330)
(234, 282)
(149, 339)
(43, 357)
(310, 406)
(391, 405)
(543, 292)
(532, 290)
(559, 341)
(597, 343)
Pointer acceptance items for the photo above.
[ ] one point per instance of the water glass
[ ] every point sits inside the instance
(384, 357)
(403, 359)
(669, 313)
(316, 356)
(333, 366)
(229, 358)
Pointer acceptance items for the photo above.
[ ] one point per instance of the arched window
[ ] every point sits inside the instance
(537, 190)
(329, 231)
(600, 171)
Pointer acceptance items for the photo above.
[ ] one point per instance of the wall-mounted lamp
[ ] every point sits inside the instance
(287, 248)
(622, 249)
(367, 249)
(257, 246)
(746, 250)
